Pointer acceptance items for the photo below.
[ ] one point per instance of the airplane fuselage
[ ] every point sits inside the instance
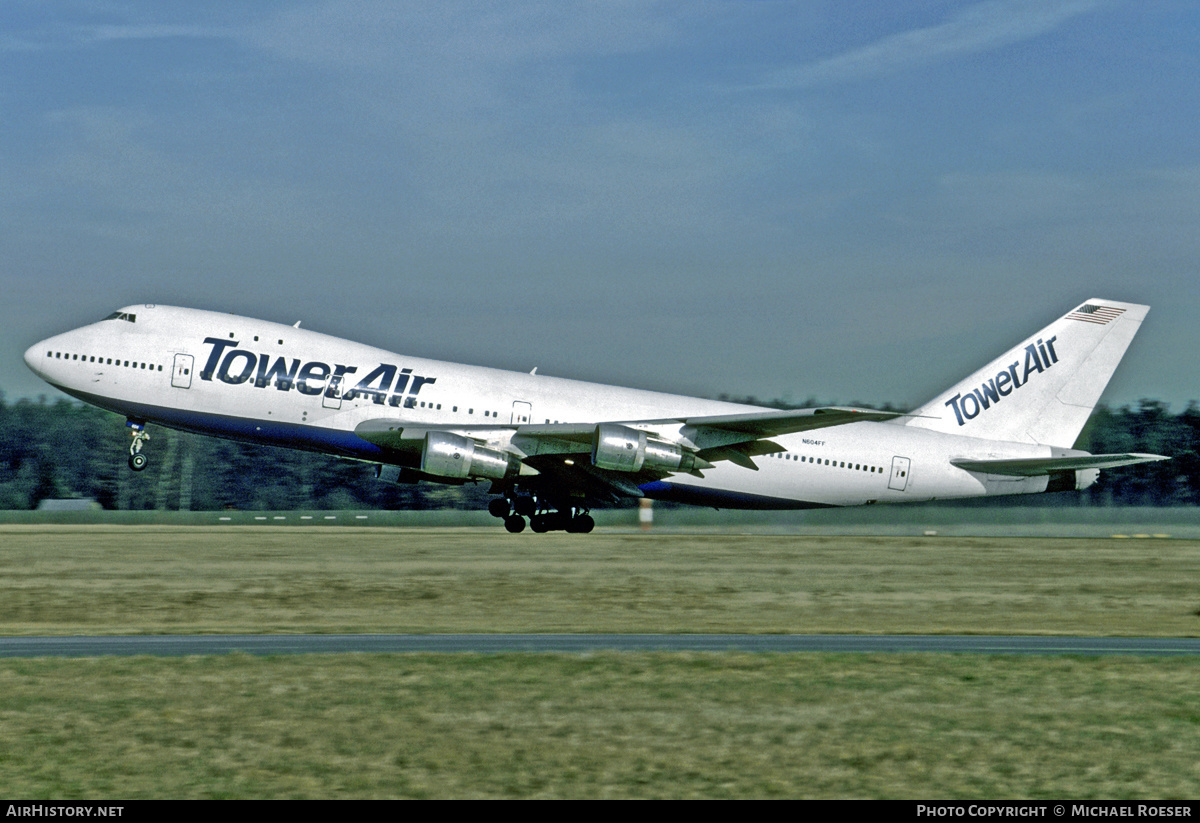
(263, 382)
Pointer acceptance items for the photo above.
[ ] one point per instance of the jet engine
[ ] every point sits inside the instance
(451, 455)
(620, 448)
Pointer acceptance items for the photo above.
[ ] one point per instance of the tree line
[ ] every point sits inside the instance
(51, 450)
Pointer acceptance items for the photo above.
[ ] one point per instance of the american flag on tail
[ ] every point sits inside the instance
(1090, 313)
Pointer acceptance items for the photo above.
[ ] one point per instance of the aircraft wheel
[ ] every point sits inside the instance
(514, 523)
(525, 506)
(557, 521)
(138, 461)
(581, 524)
(498, 507)
(540, 523)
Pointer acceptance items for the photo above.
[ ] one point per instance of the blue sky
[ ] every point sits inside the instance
(858, 201)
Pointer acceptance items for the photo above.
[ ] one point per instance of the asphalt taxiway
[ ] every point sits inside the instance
(278, 644)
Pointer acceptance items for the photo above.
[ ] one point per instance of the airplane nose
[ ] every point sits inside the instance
(34, 356)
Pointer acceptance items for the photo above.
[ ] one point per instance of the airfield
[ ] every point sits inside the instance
(848, 720)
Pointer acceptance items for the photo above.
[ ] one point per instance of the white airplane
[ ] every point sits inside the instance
(553, 447)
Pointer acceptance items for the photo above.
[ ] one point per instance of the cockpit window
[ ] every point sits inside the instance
(122, 315)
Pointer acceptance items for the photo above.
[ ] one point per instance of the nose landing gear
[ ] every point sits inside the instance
(137, 460)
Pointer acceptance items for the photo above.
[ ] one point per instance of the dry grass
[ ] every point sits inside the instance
(71, 580)
(605, 725)
(643, 725)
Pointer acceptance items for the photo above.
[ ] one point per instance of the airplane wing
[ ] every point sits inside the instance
(773, 423)
(677, 444)
(1033, 466)
(701, 433)
(705, 440)
(739, 437)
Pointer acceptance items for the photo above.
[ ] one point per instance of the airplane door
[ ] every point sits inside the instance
(521, 413)
(181, 374)
(333, 393)
(899, 478)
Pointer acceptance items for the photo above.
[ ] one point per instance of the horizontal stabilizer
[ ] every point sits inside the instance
(1034, 466)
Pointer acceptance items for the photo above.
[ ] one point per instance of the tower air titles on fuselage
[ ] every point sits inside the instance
(385, 383)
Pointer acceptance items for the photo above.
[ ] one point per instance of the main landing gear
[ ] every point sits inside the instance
(137, 460)
(513, 511)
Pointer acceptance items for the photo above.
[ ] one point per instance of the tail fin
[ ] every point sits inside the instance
(1043, 389)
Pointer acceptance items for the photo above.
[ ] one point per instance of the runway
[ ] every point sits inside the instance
(276, 644)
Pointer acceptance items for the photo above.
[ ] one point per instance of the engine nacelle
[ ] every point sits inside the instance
(1071, 481)
(451, 455)
(620, 448)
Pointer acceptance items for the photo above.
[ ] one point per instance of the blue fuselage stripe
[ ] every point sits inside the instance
(289, 435)
(308, 437)
(667, 491)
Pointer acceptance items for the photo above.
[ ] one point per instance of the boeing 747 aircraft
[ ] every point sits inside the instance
(552, 448)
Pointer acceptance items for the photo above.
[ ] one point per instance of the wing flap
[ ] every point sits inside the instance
(593, 482)
(393, 434)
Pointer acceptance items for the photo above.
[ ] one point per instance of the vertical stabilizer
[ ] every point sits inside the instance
(1043, 389)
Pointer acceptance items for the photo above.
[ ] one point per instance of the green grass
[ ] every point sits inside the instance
(71, 580)
(609, 725)
(600, 725)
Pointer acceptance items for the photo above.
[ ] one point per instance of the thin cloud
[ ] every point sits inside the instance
(63, 38)
(978, 28)
(382, 35)
(98, 34)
